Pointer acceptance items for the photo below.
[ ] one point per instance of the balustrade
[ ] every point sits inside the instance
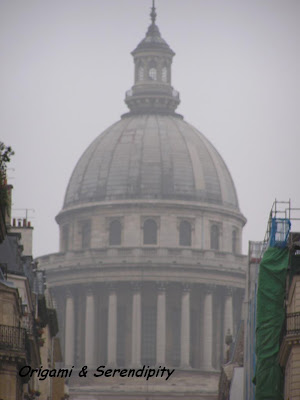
(293, 323)
(12, 338)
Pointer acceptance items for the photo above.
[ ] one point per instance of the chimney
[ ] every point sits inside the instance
(8, 189)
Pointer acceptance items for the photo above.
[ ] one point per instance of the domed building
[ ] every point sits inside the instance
(150, 270)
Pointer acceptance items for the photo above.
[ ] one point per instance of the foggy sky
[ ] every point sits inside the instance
(66, 64)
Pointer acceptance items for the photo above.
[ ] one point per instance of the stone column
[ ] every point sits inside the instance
(136, 327)
(228, 316)
(90, 329)
(185, 328)
(161, 326)
(60, 306)
(69, 330)
(208, 328)
(218, 312)
(112, 328)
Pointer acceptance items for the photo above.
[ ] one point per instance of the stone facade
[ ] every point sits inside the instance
(28, 324)
(13, 352)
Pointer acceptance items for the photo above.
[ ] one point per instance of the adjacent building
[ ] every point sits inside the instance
(28, 322)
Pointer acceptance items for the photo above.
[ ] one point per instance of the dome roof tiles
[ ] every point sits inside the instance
(151, 157)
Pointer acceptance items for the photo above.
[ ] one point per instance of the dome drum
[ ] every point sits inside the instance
(94, 225)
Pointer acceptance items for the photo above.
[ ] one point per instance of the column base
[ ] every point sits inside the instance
(161, 364)
(208, 368)
(111, 365)
(185, 366)
(135, 366)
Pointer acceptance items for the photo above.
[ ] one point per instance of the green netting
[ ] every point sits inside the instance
(270, 318)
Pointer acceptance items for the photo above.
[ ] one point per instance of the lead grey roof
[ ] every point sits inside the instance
(151, 157)
(153, 41)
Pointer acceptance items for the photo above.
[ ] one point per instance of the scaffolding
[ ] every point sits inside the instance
(281, 211)
(270, 295)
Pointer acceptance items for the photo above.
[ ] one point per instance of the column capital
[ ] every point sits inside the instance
(186, 287)
(136, 286)
(210, 288)
(69, 293)
(229, 291)
(111, 286)
(89, 290)
(161, 286)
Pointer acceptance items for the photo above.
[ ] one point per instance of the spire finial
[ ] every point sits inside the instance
(153, 12)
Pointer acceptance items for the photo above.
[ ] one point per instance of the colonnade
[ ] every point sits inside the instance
(111, 325)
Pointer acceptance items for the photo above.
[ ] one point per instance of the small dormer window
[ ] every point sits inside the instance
(153, 74)
(141, 73)
(164, 74)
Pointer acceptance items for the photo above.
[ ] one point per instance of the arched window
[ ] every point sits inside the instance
(141, 73)
(115, 231)
(164, 74)
(150, 232)
(234, 241)
(214, 237)
(185, 234)
(153, 74)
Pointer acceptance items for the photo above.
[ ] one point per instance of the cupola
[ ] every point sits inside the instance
(152, 90)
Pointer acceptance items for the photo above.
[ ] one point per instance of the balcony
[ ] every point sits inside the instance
(13, 340)
(290, 336)
(293, 324)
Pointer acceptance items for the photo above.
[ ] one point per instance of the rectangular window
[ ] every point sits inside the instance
(65, 238)
(85, 234)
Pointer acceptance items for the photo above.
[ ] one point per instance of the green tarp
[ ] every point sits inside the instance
(269, 321)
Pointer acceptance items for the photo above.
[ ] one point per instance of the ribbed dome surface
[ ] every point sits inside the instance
(151, 157)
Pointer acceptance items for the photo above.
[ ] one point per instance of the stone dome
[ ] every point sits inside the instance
(151, 156)
(149, 270)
